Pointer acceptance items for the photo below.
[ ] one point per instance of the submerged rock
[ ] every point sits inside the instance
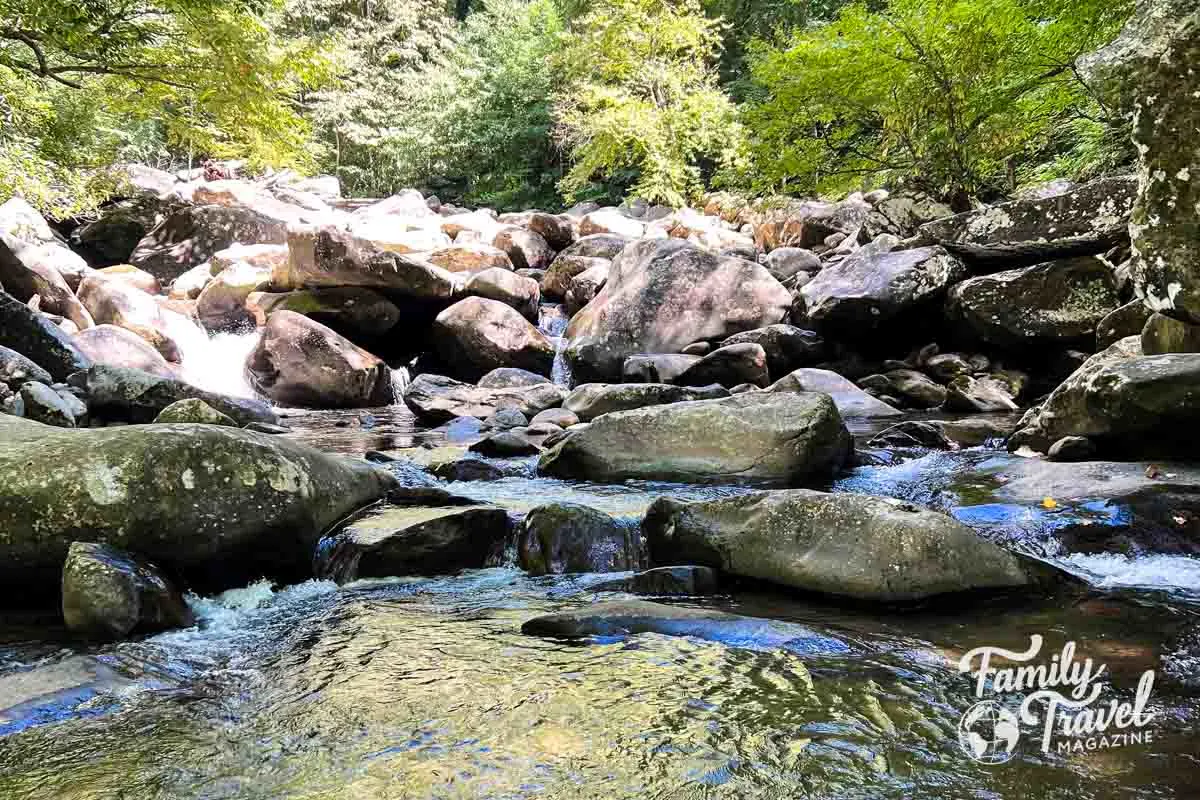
(216, 506)
(108, 594)
(558, 538)
(413, 540)
(857, 546)
(685, 581)
(785, 438)
(628, 617)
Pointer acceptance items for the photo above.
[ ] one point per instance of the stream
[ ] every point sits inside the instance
(426, 688)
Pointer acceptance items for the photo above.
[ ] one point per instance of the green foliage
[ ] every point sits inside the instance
(475, 123)
(954, 96)
(642, 98)
(82, 81)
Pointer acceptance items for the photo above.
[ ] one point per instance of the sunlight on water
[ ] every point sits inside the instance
(1109, 570)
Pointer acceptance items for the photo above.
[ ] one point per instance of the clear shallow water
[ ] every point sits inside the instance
(426, 687)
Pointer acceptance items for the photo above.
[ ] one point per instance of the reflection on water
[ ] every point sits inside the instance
(425, 688)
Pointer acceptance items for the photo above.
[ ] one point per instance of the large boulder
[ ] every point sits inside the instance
(108, 594)
(850, 400)
(117, 347)
(476, 335)
(1127, 404)
(807, 223)
(865, 548)
(663, 294)
(1086, 220)
(113, 302)
(190, 235)
(353, 311)
(138, 279)
(501, 285)
(193, 410)
(221, 305)
(112, 237)
(437, 398)
(1058, 303)
(216, 506)
(38, 339)
(27, 270)
(597, 245)
(781, 438)
(524, 248)
(324, 256)
(584, 287)
(593, 399)
(785, 262)
(16, 369)
(656, 367)
(413, 540)
(557, 280)
(1128, 320)
(298, 361)
(131, 395)
(555, 229)
(559, 538)
(871, 290)
(470, 257)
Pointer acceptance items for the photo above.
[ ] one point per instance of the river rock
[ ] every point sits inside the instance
(112, 237)
(34, 269)
(298, 361)
(32, 335)
(501, 285)
(216, 506)
(472, 257)
(784, 438)
(684, 581)
(510, 377)
(132, 395)
(784, 262)
(979, 394)
(584, 288)
(524, 248)
(108, 594)
(42, 404)
(848, 545)
(1128, 320)
(557, 280)
(1128, 404)
(138, 279)
(915, 388)
(559, 538)
(1162, 334)
(851, 401)
(195, 411)
(562, 417)
(787, 347)
(476, 335)
(657, 368)
(353, 311)
(1087, 220)
(116, 303)
(437, 398)
(1058, 303)
(611, 221)
(594, 399)
(506, 444)
(17, 370)
(556, 230)
(729, 365)
(117, 347)
(870, 290)
(190, 235)
(417, 540)
(328, 256)
(597, 245)
(662, 295)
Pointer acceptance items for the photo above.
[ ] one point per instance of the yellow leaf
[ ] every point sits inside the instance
(1049, 502)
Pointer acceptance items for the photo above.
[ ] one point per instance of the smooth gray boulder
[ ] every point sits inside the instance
(437, 399)
(593, 399)
(118, 347)
(851, 401)
(216, 506)
(108, 594)
(786, 438)
(847, 545)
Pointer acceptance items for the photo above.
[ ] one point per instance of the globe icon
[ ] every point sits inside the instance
(988, 732)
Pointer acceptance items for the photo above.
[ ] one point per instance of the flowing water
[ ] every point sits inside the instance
(552, 322)
(425, 687)
(217, 364)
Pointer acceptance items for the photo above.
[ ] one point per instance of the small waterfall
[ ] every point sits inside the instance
(218, 364)
(552, 322)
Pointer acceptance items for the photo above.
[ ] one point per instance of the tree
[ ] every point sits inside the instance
(641, 105)
(958, 97)
(209, 74)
